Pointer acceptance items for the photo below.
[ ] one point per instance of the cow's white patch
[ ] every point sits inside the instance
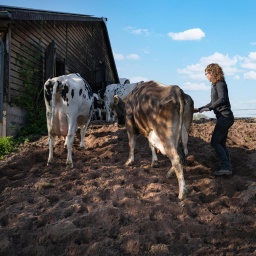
(155, 142)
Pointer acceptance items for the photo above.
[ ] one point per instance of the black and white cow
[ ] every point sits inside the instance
(98, 107)
(69, 105)
(163, 114)
(116, 89)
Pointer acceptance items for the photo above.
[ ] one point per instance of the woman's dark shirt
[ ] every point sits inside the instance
(220, 103)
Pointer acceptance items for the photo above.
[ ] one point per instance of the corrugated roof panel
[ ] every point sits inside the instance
(32, 14)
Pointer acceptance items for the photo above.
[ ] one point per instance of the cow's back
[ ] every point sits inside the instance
(151, 103)
(118, 89)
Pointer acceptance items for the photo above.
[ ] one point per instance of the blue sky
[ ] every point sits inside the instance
(172, 41)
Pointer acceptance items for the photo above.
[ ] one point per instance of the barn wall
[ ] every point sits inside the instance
(81, 45)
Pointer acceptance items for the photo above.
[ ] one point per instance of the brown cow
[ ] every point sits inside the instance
(163, 114)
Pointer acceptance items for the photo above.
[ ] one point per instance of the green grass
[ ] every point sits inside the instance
(7, 145)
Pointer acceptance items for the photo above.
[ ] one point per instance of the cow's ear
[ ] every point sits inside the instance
(116, 99)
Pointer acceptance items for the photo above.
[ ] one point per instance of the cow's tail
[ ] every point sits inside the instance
(181, 114)
(54, 91)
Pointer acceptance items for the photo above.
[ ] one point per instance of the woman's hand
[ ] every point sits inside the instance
(204, 109)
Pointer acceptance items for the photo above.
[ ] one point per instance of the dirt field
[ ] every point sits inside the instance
(101, 207)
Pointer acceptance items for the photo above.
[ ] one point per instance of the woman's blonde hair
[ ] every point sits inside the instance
(216, 72)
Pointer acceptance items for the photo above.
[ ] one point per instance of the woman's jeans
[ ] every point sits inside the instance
(219, 138)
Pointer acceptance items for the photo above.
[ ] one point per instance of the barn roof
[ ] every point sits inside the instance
(18, 13)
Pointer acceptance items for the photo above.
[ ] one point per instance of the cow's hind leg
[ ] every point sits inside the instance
(178, 169)
(82, 133)
(70, 140)
(154, 162)
(107, 107)
(51, 146)
(132, 141)
(184, 138)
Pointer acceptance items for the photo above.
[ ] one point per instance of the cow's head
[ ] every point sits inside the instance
(119, 107)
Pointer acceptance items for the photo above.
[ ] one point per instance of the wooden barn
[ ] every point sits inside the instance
(38, 44)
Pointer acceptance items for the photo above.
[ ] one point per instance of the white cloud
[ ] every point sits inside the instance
(197, 71)
(192, 68)
(221, 59)
(194, 71)
(118, 56)
(252, 55)
(133, 56)
(249, 65)
(190, 34)
(138, 31)
(188, 86)
(251, 75)
(250, 61)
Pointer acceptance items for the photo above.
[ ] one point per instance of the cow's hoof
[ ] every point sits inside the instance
(183, 195)
(49, 162)
(69, 164)
(129, 163)
(155, 164)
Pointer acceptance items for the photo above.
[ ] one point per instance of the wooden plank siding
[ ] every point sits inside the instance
(79, 44)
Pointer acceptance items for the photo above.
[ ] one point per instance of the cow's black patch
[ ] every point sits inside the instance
(64, 92)
(80, 92)
(72, 93)
(84, 96)
(48, 91)
(48, 95)
(86, 86)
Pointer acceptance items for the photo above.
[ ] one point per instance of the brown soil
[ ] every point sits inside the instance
(101, 207)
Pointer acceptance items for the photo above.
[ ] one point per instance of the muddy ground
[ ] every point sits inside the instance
(101, 207)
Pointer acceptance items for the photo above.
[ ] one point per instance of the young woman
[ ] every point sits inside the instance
(222, 109)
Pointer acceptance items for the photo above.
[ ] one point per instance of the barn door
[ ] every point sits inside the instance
(50, 60)
(100, 76)
(60, 67)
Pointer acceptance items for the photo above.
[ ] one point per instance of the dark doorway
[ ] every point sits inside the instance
(54, 66)
(100, 76)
